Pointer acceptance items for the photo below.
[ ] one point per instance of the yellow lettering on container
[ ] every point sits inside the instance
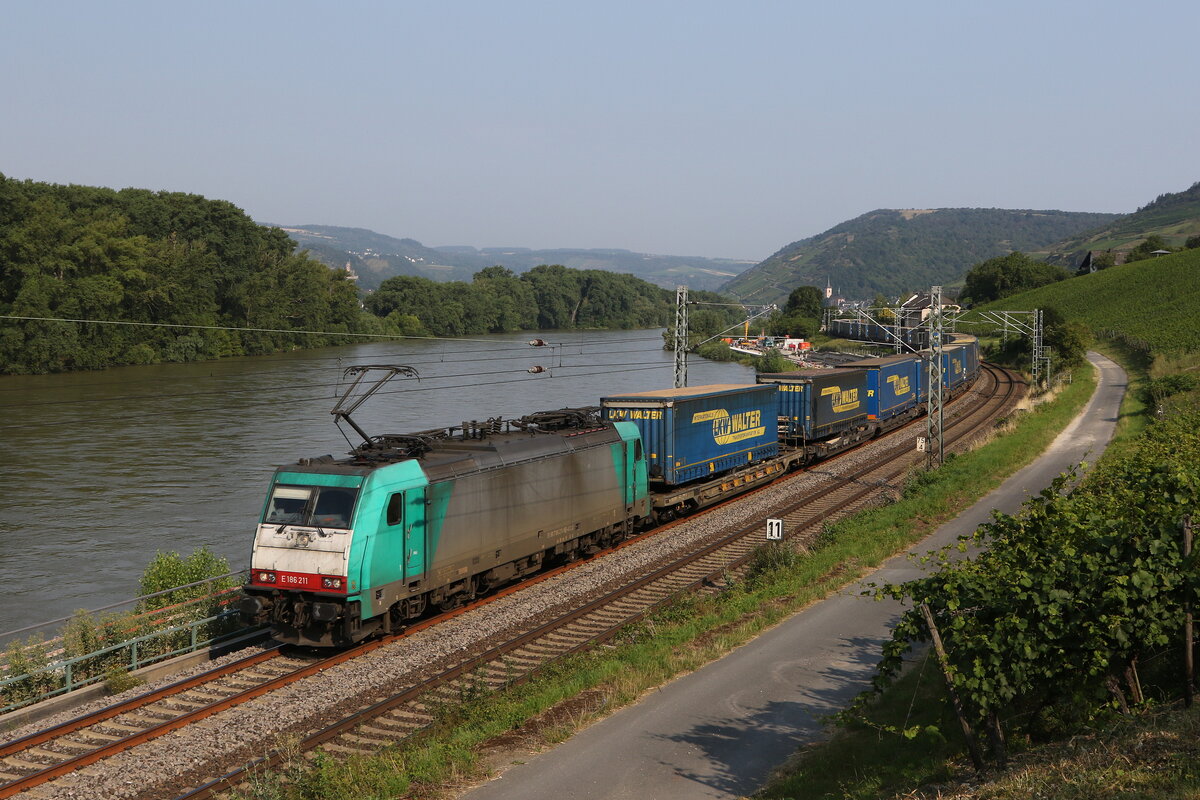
(731, 428)
(635, 413)
(843, 399)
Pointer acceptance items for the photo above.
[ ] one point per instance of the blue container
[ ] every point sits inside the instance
(955, 362)
(893, 384)
(697, 431)
(819, 403)
(970, 354)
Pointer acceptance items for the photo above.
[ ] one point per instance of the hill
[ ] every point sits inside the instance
(896, 251)
(153, 263)
(1174, 217)
(377, 257)
(1150, 304)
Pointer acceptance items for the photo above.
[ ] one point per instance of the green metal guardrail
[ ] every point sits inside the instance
(47, 667)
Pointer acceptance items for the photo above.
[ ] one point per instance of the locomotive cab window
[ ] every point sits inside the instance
(288, 504)
(395, 509)
(318, 506)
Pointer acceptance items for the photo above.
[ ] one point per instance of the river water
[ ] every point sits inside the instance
(100, 470)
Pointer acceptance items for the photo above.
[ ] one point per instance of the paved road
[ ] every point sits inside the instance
(718, 732)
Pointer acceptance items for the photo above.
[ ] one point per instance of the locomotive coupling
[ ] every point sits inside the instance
(255, 609)
(326, 612)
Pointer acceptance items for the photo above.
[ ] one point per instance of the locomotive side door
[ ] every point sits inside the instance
(415, 544)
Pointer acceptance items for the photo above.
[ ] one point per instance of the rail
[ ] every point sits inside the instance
(88, 649)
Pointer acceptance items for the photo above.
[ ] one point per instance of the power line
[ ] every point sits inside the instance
(375, 356)
(473, 384)
(556, 347)
(231, 328)
(251, 330)
(220, 392)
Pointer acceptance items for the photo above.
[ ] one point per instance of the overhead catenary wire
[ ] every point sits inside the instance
(295, 401)
(557, 347)
(259, 388)
(531, 355)
(299, 331)
(131, 323)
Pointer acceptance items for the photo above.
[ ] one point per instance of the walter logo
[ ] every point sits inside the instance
(730, 428)
(843, 400)
(900, 384)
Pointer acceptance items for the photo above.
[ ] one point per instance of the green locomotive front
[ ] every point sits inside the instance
(348, 548)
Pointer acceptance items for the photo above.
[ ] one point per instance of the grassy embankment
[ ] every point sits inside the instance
(1145, 317)
(497, 728)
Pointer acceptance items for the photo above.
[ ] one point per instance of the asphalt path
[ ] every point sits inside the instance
(719, 731)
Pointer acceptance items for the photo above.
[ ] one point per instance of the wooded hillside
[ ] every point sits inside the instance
(1173, 217)
(895, 252)
(377, 257)
(136, 256)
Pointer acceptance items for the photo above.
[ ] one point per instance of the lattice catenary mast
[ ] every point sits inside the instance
(935, 452)
(681, 336)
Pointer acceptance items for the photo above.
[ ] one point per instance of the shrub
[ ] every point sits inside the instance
(771, 558)
(118, 679)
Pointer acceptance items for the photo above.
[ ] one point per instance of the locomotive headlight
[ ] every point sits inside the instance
(331, 583)
(266, 577)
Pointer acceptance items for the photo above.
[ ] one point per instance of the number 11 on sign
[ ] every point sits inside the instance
(774, 530)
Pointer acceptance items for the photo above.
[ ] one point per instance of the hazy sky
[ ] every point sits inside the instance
(687, 128)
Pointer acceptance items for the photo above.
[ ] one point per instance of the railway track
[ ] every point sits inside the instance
(388, 722)
(36, 759)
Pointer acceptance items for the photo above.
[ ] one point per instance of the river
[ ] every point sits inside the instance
(103, 469)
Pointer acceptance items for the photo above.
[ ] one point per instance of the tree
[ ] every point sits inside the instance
(796, 325)
(1000, 277)
(881, 309)
(1192, 242)
(141, 256)
(807, 301)
(1149, 245)
(512, 300)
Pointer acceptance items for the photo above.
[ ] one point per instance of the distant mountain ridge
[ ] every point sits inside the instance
(893, 251)
(1173, 216)
(376, 257)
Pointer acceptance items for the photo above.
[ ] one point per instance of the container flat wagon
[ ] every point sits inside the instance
(704, 443)
(893, 386)
(821, 411)
(699, 431)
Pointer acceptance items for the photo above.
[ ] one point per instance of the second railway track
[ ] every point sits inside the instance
(408, 705)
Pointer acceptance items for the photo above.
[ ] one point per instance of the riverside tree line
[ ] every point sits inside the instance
(163, 259)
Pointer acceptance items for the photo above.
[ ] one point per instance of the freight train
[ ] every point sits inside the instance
(349, 548)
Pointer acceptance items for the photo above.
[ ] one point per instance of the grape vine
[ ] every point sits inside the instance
(1058, 603)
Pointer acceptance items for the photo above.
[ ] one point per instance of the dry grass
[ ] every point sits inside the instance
(1154, 756)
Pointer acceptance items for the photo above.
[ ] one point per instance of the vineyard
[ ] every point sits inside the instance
(1076, 606)
(1149, 305)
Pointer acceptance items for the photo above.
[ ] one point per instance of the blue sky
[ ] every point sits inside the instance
(714, 129)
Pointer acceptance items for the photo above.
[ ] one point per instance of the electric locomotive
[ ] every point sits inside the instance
(352, 547)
